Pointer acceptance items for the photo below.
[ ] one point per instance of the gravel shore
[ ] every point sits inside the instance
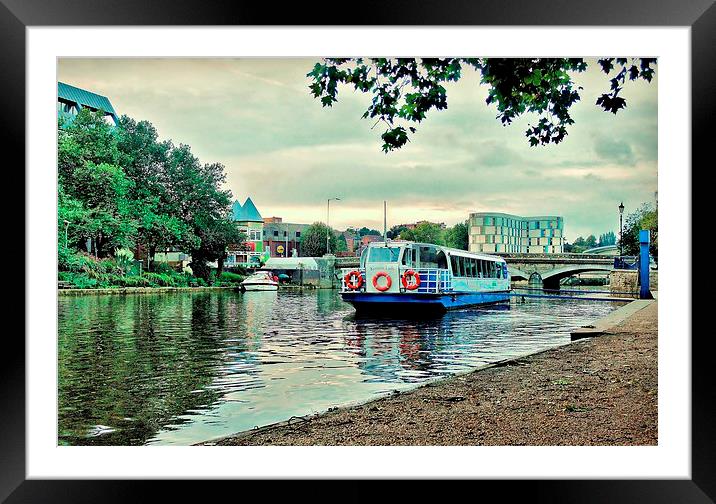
(597, 391)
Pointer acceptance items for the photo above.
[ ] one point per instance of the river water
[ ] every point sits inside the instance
(181, 368)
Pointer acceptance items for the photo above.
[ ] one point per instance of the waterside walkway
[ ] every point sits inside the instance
(595, 391)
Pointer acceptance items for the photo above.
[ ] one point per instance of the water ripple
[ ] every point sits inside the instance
(185, 367)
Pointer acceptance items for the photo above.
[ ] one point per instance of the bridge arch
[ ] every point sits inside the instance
(551, 278)
(574, 269)
(517, 273)
(536, 279)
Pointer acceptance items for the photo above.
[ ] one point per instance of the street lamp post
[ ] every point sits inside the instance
(328, 231)
(621, 229)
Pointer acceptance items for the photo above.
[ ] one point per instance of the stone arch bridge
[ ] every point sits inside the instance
(546, 270)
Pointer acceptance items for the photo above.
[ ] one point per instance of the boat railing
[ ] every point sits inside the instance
(432, 280)
(344, 286)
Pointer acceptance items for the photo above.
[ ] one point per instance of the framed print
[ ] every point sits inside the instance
(424, 245)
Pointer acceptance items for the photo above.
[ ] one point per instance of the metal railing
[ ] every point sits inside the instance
(432, 280)
(626, 262)
(344, 272)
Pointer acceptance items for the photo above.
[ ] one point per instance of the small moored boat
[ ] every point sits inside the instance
(416, 277)
(260, 281)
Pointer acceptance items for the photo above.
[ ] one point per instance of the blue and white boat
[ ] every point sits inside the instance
(415, 277)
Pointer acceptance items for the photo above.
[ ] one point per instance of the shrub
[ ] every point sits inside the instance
(136, 281)
(162, 267)
(124, 259)
(238, 270)
(231, 278)
(159, 279)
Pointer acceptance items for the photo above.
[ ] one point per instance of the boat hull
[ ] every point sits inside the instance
(259, 287)
(418, 303)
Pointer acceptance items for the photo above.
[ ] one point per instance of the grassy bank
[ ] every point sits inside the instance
(597, 391)
(81, 271)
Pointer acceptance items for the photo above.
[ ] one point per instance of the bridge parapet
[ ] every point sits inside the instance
(549, 269)
(556, 257)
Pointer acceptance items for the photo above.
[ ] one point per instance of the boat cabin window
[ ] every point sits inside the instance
(383, 254)
(428, 257)
(442, 260)
(410, 257)
(456, 263)
(477, 268)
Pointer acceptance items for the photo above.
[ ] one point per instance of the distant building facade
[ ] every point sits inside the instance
(499, 232)
(250, 222)
(71, 99)
(282, 238)
(351, 241)
(365, 240)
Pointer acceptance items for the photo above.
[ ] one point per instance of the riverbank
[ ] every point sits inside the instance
(137, 290)
(595, 391)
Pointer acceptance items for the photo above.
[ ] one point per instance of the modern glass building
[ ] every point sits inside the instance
(499, 232)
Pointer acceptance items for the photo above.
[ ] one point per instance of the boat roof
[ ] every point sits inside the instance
(450, 250)
(291, 263)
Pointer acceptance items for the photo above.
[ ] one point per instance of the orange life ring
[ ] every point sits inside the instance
(388, 279)
(415, 275)
(349, 280)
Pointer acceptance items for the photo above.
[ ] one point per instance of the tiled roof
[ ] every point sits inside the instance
(247, 212)
(84, 98)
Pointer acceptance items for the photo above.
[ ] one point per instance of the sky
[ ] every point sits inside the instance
(290, 154)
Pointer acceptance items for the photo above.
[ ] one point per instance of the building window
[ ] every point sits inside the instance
(298, 234)
(275, 232)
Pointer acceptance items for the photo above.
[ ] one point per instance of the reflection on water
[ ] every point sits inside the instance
(186, 367)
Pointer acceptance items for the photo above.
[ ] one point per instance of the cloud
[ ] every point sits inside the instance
(617, 150)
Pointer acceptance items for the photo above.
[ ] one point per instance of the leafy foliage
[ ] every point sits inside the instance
(425, 232)
(458, 236)
(313, 240)
(405, 89)
(121, 187)
(645, 217)
(606, 239)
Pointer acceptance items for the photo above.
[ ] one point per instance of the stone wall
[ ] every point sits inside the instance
(653, 280)
(621, 281)
(327, 269)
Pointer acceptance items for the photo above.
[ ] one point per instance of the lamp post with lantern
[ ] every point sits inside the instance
(328, 231)
(621, 229)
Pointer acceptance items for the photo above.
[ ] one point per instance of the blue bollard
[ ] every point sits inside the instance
(644, 264)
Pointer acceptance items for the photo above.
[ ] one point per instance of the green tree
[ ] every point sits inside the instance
(119, 187)
(215, 235)
(364, 231)
(457, 236)
(93, 190)
(579, 245)
(394, 232)
(404, 90)
(145, 160)
(425, 232)
(341, 243)
(645, 217)
(607, 239)
(590, 242)
(313, 240)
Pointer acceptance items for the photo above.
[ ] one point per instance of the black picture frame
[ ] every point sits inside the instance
(16, 15)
